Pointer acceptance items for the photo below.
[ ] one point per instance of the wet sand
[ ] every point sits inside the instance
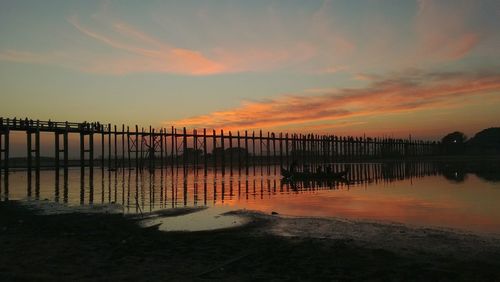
(111, 246)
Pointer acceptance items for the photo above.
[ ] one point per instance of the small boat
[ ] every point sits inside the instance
(287, 174)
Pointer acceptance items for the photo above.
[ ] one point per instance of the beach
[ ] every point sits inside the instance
(105, 245)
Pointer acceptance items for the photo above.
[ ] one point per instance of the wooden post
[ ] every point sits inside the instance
(29, 152)
(91, 156)
(82, 152)
(184, 150)
(151, 149)
(205, 154)
(274, 151)
(195, 148)
(37, 152)
(253, 151)
(239, 153)
(142, 148)
(172, 149)
(56, 186)
(345, 148)
(57, 150)
(102, 148)
(304, 143)
(66, 152)
(287, 156)
(1, 147)
(6, 158)
(261, 159)
(176, 148)
(214, 151)
(128, 147)
(109, 146)
(310, 155)
(281, 149)
(230, 153)
(115, 134)
(334, 149)
(247, 153)
(136, 148)
(308, 149)
(162, 132)
(123, 146)
(223, 152)
(268, 152)
(327, 148)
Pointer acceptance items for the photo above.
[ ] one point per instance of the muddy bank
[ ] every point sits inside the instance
(96, 246)
(393, 237)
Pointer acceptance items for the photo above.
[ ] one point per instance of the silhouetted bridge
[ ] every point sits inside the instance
(136, 147)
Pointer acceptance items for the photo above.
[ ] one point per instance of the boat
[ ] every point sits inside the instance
(289, 175)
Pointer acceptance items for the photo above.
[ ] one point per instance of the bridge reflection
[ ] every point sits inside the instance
(138, 190)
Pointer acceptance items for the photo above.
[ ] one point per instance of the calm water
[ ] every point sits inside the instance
(456, 195)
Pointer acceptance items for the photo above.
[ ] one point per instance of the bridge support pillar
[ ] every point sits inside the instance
(4, 155)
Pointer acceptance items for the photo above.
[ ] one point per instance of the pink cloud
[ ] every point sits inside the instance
(444, 31)
(463, 45)
(141, 52)
(155, 57)
(407, 92)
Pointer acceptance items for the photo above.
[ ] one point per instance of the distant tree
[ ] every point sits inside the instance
(454, 143)
(456, 137)
(485, 141)
(191, 154)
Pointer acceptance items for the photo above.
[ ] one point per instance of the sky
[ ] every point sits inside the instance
(380, 68)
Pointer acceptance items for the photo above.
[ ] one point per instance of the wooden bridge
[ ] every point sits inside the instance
(122, 146)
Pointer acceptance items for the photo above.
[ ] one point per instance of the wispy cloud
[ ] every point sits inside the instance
(141, 52)
(154, 57)
(405, 92)
(23, 57)
(447, 30)
(319, 38)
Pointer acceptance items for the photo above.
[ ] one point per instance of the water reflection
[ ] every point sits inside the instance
(455, 194)
(457, 171)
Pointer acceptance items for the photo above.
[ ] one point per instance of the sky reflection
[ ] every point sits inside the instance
(411, 193)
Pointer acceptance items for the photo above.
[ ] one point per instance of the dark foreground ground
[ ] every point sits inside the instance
(107, 247)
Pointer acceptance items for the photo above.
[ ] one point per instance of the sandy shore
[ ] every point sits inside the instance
(111, 246)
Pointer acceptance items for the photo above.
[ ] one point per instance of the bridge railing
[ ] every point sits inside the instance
(48, 125)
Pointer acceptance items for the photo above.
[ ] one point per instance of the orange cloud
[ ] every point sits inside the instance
(412, 91)
(154, 57)
(140, 52)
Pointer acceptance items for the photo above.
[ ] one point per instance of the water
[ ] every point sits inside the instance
(455, 195)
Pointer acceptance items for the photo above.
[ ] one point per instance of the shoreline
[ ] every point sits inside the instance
(47, 207)
(82, 245)
(399, 237)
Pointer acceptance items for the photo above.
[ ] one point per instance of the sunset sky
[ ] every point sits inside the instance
(342, 67)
